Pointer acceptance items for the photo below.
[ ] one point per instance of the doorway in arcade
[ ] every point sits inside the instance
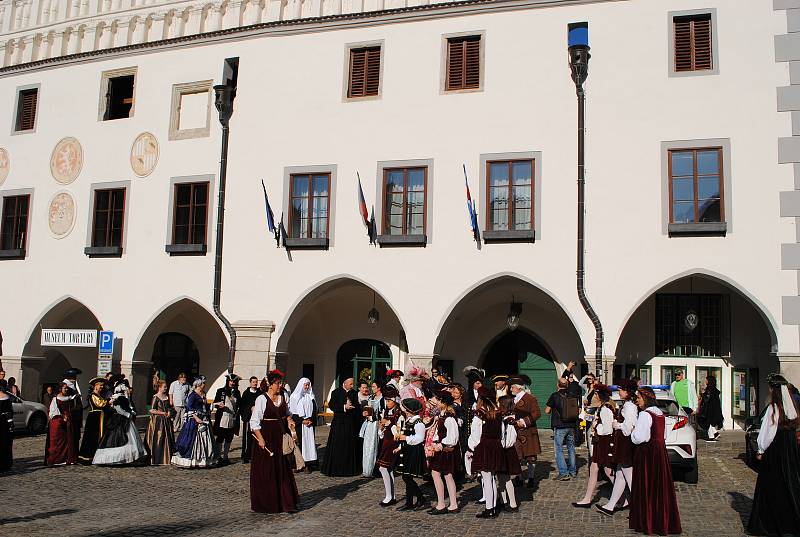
(363, 359)
(520, 352)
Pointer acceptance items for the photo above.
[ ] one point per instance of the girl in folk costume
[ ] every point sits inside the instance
(411, 462)
(194, 447)
(120, 443)
(489, 456)
(602, 432)
(6, 428)
(93, 428)
(160, 439)
(622, 447)
(272, 485)
(303, 408)
(776, 501)
(369, 429)
(226, 415)
(446, 455)
(389, 427)
(526, 412)
(60, 447)
(512, 469)
(654, 508)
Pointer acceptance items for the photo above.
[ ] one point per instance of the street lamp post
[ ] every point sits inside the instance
(578, 47)
(224, 94)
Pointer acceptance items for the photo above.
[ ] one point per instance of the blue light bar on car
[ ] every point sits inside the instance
(656, 387)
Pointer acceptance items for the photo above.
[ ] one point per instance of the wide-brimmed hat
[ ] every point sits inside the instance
(411, 405)
(72, 372)
(629, 385)
(97, 380)
(500, 378)
(416, 373)
(473, 373)
(234, 377)
(390, 392)
(520, 380)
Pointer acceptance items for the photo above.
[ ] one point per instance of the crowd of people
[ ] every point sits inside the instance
(420, 426)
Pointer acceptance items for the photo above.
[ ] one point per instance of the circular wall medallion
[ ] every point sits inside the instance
(5, 165)
(67, 160)
(61, 215)
(144, 154)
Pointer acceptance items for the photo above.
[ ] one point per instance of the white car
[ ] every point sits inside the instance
(682, 438)
(29, 416)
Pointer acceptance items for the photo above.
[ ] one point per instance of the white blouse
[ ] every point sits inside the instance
(769, 428)
(606, 424)
(419, 432)
(641, 432)
(259, 409)
(475, 432)
(629, 414)
(451, 438)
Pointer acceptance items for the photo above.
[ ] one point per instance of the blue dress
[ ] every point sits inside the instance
(195, 447)
(369, 432)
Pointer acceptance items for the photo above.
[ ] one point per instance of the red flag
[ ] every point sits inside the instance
(362, 204)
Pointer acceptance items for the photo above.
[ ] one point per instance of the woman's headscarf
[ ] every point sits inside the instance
(302, 401)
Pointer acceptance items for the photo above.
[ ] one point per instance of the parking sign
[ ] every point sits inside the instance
(106, 343)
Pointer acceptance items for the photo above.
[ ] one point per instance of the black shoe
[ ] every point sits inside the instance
(603, 510)
(582, 505)
(530, 484)
(434, 511)
(390, 502)
(407, 507)
(622, 508)
(421, 505)
(487, 513)
(510, 509)
(454, 511)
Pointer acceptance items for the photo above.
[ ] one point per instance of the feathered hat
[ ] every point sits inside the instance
(416, 373)
(473, 373)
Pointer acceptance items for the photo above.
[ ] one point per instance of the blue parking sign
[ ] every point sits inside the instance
(106, 343)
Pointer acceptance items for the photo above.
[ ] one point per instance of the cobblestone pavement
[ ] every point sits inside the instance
(166, 501)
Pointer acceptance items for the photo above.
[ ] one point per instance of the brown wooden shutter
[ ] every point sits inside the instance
(365, 72)
(27, 109)
(693, 43)
(463, 63)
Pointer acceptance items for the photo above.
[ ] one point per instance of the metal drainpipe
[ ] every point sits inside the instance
(580, 272)
(223, 171)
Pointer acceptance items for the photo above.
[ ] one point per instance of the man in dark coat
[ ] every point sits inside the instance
(709, 416)
(226, 415)
(342, 453)
(246, 405)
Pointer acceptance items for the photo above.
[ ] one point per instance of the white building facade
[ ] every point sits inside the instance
(111, 166)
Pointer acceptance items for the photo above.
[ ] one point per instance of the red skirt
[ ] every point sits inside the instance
(489, 456)
(60, 445)
(622, 449)
(512, 466)
(386, 456)
(445, 462)
(272, 485)
(602, 450)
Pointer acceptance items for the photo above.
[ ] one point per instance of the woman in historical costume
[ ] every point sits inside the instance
(369, 430)
(709, 415)
(511, 469)
(475, 379)
(6, 428)
(485, 441)
(93, 428)
(776, 501)
(226, 415)
(120, 443)
(526, 412)
(342, 454)
(411, 461)
(272, 485)
(389, 428)
(654, 508)
(160, 438)
(303, 408)
(194, 447)
(446, 454)
(60, 446)
(602, 434)
(622, 448)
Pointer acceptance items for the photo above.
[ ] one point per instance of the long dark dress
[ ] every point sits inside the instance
(93, 428)
(710, 413)
(6, 433)
(60, 446)
(654, 508)
(776, 502)
(245, 411)
(160, 439)
(489, 453)
(342, 454)
(272, 485)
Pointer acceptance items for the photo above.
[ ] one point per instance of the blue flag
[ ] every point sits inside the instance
(270, 217)
(472, 215)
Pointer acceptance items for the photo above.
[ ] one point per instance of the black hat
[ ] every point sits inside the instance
(411, 405)
(390, 392)
(234, 377)
(444, 396)
(520, 380)
(473, 373)
(500, 378)
(97, 380)
(72, 372)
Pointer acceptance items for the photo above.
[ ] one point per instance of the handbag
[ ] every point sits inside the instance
(288, 444)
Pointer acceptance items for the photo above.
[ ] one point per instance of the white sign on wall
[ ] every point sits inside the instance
(103, 365)
(68, 338)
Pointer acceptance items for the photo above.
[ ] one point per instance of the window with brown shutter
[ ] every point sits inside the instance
(693, 43)
(26, 109)
(463, 63)
(365, 72)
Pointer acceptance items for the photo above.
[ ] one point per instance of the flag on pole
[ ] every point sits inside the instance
(473, 216)
(372, 229)
(270, 217)
(282, 232)
(369, 222)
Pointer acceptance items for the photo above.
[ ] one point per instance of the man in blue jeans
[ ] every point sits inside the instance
(563, 411)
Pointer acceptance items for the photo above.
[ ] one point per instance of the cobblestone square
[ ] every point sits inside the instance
(143, 501)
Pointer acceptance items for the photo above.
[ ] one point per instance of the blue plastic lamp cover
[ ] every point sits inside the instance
(578, 34)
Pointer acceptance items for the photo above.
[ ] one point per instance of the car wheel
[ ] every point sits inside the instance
(37, 423)
(691, 476)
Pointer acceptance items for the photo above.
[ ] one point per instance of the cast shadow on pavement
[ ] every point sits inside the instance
(741, 504)
(37, 516)
(27, 465)
(189, 527)
(336, 491)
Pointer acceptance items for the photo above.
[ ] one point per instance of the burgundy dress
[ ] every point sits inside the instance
(60, 445)
(446, 460)
(654, 509)
(511, 465)
(602, 450)
(386, 456)
(489, 453)
(272, 485)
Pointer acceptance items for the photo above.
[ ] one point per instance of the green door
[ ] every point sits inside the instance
(543, 376)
